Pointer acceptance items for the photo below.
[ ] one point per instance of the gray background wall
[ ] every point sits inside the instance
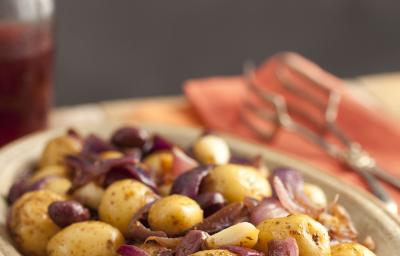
(127, 48)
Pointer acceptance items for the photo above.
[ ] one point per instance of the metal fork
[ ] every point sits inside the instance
(279, 115)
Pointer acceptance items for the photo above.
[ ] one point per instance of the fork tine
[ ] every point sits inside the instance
(258, 129)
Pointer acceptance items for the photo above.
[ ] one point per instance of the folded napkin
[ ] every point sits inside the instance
(218, 100)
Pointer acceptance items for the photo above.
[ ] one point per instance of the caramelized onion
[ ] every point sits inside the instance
(285, 247)
(267, 209)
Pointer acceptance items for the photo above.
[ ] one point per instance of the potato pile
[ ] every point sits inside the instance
(139, 194)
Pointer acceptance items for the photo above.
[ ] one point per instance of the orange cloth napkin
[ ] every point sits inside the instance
(217, 102)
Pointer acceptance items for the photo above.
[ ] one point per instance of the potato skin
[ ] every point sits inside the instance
(311, 236)
(30, 225)
(58, 185)
(89, 195)
(50, 170)
(218, 252)
(350, 249)
(211, 149)
(235, 182)
(174, 214)
(59, 147)
(122, 200)
(89, 238)
(159, 163)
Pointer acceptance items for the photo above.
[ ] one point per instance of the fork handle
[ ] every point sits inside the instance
(385, 176)
(377, 189)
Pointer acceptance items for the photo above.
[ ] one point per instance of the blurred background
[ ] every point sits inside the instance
(121, 49)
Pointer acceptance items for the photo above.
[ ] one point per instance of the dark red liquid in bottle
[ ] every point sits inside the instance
(26, 76)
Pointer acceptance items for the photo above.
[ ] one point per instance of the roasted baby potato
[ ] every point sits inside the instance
(211, 149)
(235, 182)
(50, 170)
(58, 148)
(89, 195)
(174, 214)
(87, 238)
(30, 224)
(218, 252)
(350, 249)
(311, 236)
(122, 200)
(58, 185)
(159, 163)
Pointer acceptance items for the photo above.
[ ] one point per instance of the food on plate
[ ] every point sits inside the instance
(138, 194)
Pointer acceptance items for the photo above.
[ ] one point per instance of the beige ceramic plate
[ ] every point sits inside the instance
(369, 216)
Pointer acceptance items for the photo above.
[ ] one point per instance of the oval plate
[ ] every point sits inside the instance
(368, 214)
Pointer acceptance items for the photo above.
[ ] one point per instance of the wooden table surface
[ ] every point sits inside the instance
(382, 90)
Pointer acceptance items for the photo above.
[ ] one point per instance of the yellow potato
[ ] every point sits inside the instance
(243, 234)
(111, 155)
(211, 149)
(214, 253)
(89, 238)
(315, 194)
(122, 200)
(350, 249)
(311, 236)
(30, 225)
(58, 185)
(50, 170)
(174, 214)
(58, 148)
(159, 163)
(235, 182)
(89, 195)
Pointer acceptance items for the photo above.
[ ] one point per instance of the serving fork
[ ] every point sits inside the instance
(265, 111)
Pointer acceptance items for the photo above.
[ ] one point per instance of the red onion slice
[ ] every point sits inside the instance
(210, 202)
(188, 183)
(284, 197)
(93, 145)
(229, 215)
(242, 251)
(192, 242)
(286, 247)
(131, 250)
(181, 162)
(269, 208)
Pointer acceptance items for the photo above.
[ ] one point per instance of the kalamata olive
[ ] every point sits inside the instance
(131, 250)
(64, 213)
(285, 247)
(130, 137)
(188, 183)
(242, 251)
(191, 243)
